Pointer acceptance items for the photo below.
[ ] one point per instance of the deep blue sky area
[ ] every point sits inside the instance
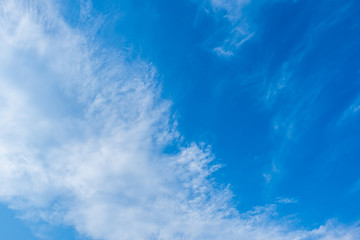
(281, 112)
(12, 228)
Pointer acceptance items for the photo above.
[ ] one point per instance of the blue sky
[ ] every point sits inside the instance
(184, 119)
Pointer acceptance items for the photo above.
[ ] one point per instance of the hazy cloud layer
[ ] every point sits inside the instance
(82, 138)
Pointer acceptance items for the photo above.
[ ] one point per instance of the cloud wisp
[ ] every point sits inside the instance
(238, 30)
(82, 138)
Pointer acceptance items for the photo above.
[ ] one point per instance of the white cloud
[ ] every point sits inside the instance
(350, 113)
(81, 143)
(232, 11)
(286, 200)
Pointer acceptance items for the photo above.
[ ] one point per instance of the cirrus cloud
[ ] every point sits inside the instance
(82, 139)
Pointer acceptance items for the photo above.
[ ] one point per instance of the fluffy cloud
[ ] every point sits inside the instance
(82, 138)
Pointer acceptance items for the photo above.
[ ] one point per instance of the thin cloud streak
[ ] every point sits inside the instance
(82, 136)
(240, 30)
(351, 113)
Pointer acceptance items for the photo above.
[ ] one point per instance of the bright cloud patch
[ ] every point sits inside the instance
(82, 134)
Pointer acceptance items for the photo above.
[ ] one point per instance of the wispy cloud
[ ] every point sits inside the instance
(286, 200)
(82, 135)
(350, 113)
(292, 90)
(239, 29)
